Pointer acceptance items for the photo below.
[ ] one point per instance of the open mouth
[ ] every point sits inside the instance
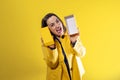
(59, 30)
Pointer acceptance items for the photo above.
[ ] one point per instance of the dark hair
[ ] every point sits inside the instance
(46, 17)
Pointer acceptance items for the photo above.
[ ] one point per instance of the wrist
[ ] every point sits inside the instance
(73, 43)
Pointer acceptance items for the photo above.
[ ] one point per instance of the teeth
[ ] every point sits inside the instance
(58, 30)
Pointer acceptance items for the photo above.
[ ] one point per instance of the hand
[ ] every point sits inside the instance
(52, 47)
(74, 37)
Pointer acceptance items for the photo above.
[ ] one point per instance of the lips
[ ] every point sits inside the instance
(59, 30)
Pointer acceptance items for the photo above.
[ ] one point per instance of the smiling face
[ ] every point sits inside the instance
(55, 26)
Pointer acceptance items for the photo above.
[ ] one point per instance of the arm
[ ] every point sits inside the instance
(77, 45)
(50, 56)
(79, 48)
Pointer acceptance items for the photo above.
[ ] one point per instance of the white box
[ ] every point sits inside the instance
(71, 25)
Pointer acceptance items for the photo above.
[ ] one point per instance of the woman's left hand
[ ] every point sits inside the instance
(74, 37)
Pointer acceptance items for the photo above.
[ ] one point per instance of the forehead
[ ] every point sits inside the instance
(52, 19)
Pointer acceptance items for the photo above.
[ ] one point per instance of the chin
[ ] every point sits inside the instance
(59, 34)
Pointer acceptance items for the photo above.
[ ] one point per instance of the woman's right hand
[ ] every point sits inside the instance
(53, 46)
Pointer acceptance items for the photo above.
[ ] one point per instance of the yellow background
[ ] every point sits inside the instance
(20, 51)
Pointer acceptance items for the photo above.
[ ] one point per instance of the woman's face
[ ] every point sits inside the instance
(55, 26)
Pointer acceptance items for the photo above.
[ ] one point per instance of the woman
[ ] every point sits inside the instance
(62, 57)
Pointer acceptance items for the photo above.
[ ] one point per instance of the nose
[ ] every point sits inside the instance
(57, 25)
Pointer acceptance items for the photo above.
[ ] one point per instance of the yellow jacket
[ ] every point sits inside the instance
(56, 68)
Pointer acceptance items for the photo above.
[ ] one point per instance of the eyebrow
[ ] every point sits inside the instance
(54, 22)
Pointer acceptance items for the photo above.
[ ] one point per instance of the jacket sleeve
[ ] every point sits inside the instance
(79, 48)
(50, 56)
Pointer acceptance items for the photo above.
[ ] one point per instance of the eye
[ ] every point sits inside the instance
(57, 21)
(51, 25)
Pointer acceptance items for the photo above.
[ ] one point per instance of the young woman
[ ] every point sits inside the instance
(62, 57)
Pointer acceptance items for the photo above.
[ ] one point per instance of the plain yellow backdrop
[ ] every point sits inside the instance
(21, 57)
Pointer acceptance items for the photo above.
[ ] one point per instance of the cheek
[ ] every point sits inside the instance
(52, 30)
